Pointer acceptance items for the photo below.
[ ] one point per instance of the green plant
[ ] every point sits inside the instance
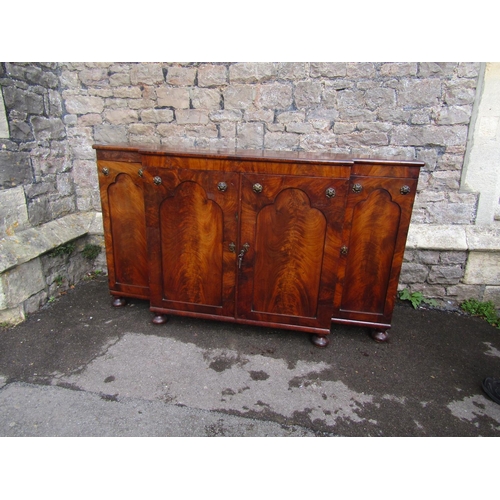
(59, 280)
(65, 249)
(416, 298)
(91, 251)
(92, 275)
(485, 310)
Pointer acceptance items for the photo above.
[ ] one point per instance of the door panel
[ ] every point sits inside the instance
(293, 231)
(124, 221)
(377, 221)
(191, 224)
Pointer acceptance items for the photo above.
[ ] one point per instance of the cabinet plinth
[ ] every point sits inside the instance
(283, 240)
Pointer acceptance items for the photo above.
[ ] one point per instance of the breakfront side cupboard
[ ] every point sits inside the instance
(284, 240)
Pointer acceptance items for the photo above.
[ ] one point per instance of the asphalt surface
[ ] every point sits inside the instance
(80, 367)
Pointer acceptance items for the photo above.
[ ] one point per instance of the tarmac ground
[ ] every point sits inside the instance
(80, 367)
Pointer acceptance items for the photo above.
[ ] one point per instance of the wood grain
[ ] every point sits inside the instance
(372, 242)
(289, 254)
(191, 238)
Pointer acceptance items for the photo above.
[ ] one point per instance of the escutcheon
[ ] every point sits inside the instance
(105, 171)
(222, 186)
(357, 188)
(141, 172)
(157, 180)
(405, 189)
(257, 187)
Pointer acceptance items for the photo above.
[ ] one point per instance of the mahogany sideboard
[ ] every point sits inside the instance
(279, 239)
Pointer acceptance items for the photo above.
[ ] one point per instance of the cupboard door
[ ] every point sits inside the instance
(192, 231)
(124, 221)
(289, 248)
(378, 215)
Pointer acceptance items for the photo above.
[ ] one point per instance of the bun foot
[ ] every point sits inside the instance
(379, 336)
(160, 319)
(320, 340)
(119, 302)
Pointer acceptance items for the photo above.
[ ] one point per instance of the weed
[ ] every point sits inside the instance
(92, 275)
(59, 280)
(485, 310)
(65, 249)
(416, 298)
(91, 251)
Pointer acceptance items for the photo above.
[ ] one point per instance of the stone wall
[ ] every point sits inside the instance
(412, 110)
(38, 199)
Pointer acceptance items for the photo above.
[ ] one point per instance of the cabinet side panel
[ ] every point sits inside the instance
(128, 230)
(371, 248)
(289, 254)
(191, 247)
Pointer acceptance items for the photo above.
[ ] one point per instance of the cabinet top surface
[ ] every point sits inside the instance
(256, 155)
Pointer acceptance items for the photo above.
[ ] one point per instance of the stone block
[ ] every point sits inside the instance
(14, 214)
(250, 135)
(22, 282)
(357, 139)
(279, 141)
(360, 70)
(483, 238)
(94, 76)
(307, 93)
(178, 75)
(191, 116)
(492, 294)
(240, 97)
(293, 70)
(399, 69)
(206, 98)
(460, 292)
(445, 275)
(460, 93)
(252, 72)
(127, 92)
(259, 115)
(109, 134)
(147, 74)
(454, 115)
(177, 98)
(436, 237)
(413, 273)
(275, 96)
(380, 97)
(226, 115)
(15, 169)
(12, 316)
(22, 100)
(121, 116)
(300, 128)
(318, 141)
(83, 104)
(157, 115)
(119, 79)
(429, 69)
(483, 268)
(453, 258)
(46, 129)
(212, 75)
(328, 69)
(452, 135)
(418, 93)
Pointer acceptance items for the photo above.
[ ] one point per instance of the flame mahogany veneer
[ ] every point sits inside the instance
(287, 240)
